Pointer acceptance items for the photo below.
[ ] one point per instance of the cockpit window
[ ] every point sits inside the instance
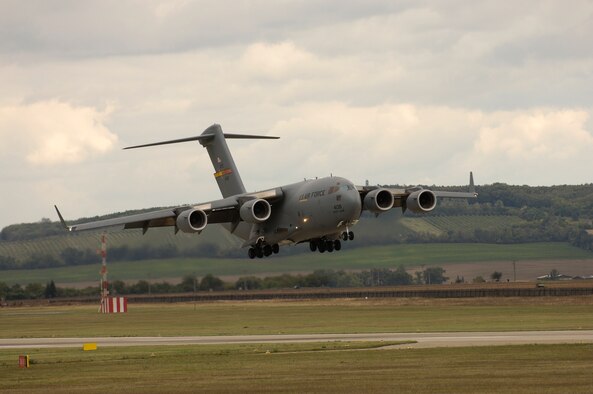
(334, 189)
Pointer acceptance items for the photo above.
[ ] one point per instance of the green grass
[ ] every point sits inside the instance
(466, 224)
(291, 368)
(349, 259)
(54, 245)
(274, 317)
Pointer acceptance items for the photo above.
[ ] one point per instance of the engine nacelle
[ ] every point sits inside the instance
(192, 220)
(378, 200)
(421, 201)
(255, 211)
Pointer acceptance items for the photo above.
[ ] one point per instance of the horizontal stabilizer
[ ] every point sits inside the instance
(205, 137)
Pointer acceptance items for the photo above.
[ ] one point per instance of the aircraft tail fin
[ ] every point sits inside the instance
(214, 140)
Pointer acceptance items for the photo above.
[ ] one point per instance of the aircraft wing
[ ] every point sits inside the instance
(410, 196)
(225, 210)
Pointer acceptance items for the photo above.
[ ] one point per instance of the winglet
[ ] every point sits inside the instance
(62, 219)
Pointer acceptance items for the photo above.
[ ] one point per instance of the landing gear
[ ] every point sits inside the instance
(262, 249)
(325, 245)
(347, 235)
(321, 246)
(337, 245)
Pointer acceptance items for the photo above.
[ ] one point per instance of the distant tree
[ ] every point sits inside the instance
(211, 282)
(399, 277)
(50, 290)
(119, 287)
(419, 277)
(434, 275)
(459, 279)
(141, 287)
(554, 274)
(188, 283)
(495, 276)
(16, 292)
(34, 290)
(4, 290)
(248, 283)
(478, 279)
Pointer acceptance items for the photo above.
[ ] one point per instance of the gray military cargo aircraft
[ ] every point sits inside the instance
(316, 211)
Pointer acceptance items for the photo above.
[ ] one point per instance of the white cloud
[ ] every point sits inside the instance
(54, 132)
(407, 92)
(407, 143)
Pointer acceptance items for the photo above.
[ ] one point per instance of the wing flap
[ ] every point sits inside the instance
(159, 218)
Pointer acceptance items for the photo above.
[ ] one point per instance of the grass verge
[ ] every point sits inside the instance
(302, 317)
(294, 368)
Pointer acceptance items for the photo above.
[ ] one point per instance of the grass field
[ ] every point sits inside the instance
(302, 368)
(305, 367)
(349, 259)
(303, 317)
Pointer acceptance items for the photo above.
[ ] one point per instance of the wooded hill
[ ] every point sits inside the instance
(502, 214)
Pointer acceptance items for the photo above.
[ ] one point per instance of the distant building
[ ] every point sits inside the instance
(557, 277)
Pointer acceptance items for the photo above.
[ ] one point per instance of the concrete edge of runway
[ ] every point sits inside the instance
(421, 340)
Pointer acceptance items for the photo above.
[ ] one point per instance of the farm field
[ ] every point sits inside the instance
(389, 256)
(303, 317)
(388, 228)
(317, 367)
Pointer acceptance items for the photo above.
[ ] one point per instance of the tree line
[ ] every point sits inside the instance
(319, 278)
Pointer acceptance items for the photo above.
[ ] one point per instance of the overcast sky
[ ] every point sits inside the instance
(401, 92)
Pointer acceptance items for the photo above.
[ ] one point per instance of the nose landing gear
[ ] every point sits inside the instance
(347, 236)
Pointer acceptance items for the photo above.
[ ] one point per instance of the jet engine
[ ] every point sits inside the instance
(378, 200)
(255, 211)
(192, 221)
(421, 201)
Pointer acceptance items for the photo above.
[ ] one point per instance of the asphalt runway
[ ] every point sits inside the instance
(423, 340)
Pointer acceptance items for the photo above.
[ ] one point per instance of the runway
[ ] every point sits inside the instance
(423, 340)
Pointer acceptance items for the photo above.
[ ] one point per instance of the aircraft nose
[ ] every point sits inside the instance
(352, 205)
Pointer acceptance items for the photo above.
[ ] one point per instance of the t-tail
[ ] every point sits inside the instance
(225, 171)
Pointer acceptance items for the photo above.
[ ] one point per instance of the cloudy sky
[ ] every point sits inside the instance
(390, 91)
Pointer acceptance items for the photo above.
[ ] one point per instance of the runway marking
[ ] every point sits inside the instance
(423, 340)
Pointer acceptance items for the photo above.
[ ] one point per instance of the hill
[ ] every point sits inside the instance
(502, 214)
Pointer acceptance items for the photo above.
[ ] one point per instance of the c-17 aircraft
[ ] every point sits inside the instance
(319, 211)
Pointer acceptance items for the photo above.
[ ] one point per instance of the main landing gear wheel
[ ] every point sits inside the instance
(329, 245)
(262, 249)
(313, 246)
(321, 246)
(337, 245)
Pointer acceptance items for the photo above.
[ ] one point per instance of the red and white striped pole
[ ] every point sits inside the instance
(104, 283)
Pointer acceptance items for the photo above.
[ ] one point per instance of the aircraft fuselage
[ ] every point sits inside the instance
(311, 209)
